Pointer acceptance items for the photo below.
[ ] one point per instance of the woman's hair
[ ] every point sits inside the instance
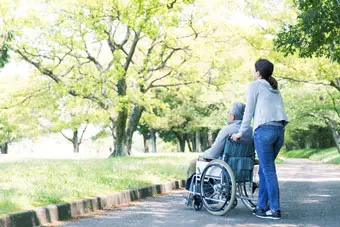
(266, 69)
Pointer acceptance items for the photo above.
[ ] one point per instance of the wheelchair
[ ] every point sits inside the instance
(218, 184)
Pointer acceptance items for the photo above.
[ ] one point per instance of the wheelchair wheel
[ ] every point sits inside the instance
(218, 187)
(249, 190)
(234, 204)
(198, 204)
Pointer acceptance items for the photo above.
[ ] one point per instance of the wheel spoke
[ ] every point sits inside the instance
(223, 184)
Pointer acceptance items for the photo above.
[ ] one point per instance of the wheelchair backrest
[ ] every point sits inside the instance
(240, 157)
(238, 149)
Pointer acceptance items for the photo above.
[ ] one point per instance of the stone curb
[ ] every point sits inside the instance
(62, 212)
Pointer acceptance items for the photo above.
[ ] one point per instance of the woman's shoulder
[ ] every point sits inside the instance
(254, 85)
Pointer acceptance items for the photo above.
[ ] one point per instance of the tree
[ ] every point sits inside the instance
(74, 114)
(183, 113)
(16, 124)
(128, 56)
(316, 31)
(6, 36)
(316, 109)
(5, 40)
(107, 53)
(8, 133)
(148, 134)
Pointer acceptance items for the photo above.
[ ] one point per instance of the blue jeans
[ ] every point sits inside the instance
(268, 141)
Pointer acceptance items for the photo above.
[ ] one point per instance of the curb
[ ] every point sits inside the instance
(62, 212)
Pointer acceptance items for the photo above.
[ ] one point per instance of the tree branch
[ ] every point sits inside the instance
(336, 83)
(157, 79)
(304, 81)
(55, 78)
(33, 94)
(333, 101)
(163, 63)
(132, 50)
(171, 4)
(82, 134)
(37, 65)
(93, 59)
(66, 136)
(192, 26)
(126, 38)
(148, 54)
(90, 97)
(62, 59)
(173, 85)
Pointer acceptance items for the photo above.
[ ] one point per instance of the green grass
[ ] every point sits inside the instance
(279, 160)
(329, 155)
(28, 184)
(303, 153)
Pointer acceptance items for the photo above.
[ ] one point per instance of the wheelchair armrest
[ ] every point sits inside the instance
(201, 158)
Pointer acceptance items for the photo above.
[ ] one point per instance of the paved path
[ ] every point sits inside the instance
(310, 196)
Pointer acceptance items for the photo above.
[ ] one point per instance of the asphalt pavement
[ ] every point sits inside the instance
(310, 196)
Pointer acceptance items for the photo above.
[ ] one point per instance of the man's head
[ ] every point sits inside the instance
(236, 111)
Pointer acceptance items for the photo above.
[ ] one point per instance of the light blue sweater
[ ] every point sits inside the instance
(264, 104)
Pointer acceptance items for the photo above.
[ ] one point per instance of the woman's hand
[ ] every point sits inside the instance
(236, 136)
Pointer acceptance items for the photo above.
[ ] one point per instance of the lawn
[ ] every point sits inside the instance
(329, 155)
(33, 183)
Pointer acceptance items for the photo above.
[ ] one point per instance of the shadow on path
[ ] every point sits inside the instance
(310, 196)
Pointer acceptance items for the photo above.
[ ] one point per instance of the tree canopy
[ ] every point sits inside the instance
(170, 66)
(316, 31)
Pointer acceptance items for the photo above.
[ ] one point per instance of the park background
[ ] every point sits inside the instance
(99, 96)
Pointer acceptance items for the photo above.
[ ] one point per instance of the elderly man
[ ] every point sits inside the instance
(235, 116)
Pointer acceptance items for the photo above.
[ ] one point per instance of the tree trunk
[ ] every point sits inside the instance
(204, 141)
(134, 118)
(193, 141)
(153, 140)
(181, 144)
(335, 132)
(336, 83)
(112, 129)
(75, 142)
(198, 141)
(210, 138)
(120, 149)
(308, 143)
(146, 143)
(189, 146)
(4, 148)
(120, 134)
(181, 140)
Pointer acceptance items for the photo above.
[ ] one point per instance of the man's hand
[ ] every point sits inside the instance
(236, 136)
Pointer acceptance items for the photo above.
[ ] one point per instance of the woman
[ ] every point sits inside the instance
(265, 105)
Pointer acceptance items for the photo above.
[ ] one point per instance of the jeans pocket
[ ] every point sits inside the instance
(264, 135)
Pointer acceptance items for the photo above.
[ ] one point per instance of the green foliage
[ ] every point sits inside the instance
(309, 107)
(316, 31)
(188, 66)
(8, 131)
(4, 48)
(302, 153)
(314, 137)
(330, 155)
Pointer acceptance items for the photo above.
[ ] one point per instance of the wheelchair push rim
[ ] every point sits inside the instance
(218, 187)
